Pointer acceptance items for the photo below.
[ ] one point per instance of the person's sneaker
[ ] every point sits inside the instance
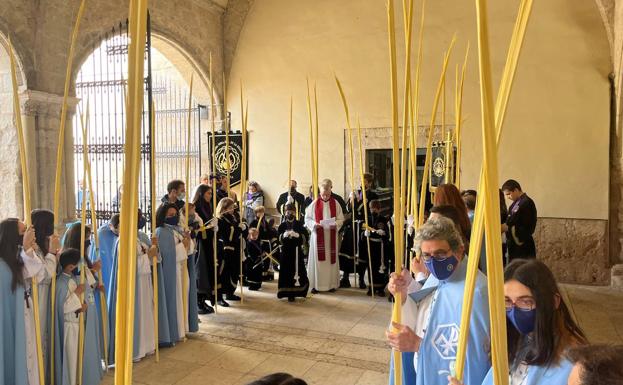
(380, 293)
(290, 299)
(362, 284)
(369, 293)
(203, 309)
(232, 297)
(331, 290)
(254, 287)
(345, 283)
(223, 303)
(314, 291)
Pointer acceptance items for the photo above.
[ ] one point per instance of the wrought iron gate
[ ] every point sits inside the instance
(101, 85)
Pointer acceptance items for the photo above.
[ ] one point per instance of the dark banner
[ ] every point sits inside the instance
(235, 155)
(438, 165)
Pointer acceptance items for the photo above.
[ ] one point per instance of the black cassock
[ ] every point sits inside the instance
(347, 254)
(521, 222)
(268, 239)
(253, 265)
(379, 256)
(205, 258)
(229, 236)
(292, 265)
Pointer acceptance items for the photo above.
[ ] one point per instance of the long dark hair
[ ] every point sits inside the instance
(73, 239)
(203, 207)
(9, 250)
(278, 379)
(555, 330)
(43, 222)
(161, 213)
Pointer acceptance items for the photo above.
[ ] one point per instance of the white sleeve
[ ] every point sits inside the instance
(415, 284)
(72, 303)
(32, 264)
(50, 265)
(409, 313)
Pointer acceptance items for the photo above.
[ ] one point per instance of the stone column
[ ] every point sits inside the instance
(41, 115)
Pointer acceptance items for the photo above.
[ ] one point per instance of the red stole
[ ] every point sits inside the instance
(320, 241)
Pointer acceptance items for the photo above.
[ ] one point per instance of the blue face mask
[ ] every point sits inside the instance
(523, 320)
(443, 269)
(173, 221)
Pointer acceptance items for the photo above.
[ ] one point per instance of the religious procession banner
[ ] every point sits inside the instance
(442, 165)
(235, 155)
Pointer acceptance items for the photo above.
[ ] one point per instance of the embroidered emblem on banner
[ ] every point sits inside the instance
(439, 167)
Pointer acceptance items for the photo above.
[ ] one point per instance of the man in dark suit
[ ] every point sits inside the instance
(520, 222)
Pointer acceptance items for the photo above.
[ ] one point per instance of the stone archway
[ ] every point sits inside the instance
(10, 171)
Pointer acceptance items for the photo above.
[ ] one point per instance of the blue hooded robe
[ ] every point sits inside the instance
(107, 242)
(541, 375)
(437, 354)
(92, 371)
(166, 244)
(13, 367)
(61, 368)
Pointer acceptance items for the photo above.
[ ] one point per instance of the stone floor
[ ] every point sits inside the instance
(325, 339)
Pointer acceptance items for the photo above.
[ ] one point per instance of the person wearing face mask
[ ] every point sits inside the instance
(539, 327)
(254, 265)
(291, 197)
(324, 218)
(93, 345)
(14, 365)
(268, 239)
(18, 264)
(176, 193)
(108, 233)
(173, 244)
(350, 246)
(229, 233)
(431, 312)
(253, 198)
(379, 238)
(143, 327)
(67, 319)
(205, 258)
(196, 229)
(46, 248)
(293, 281)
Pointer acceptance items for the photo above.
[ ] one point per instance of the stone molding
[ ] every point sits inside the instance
(37, 103)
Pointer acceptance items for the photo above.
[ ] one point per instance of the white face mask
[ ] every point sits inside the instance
(181, 196)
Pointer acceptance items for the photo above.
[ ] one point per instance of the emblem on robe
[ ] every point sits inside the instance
(446, 340)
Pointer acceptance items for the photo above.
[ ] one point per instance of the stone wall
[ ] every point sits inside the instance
(575, 249)
(40, 31)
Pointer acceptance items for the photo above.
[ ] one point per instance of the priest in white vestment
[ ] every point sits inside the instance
(323, 218)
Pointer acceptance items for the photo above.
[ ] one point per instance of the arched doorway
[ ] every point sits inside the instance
(10, 172)
(100, 85)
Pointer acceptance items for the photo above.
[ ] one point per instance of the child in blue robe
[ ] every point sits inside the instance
(13, 365)
(92, 362)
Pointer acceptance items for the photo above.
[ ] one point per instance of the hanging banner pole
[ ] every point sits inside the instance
(431, 131)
